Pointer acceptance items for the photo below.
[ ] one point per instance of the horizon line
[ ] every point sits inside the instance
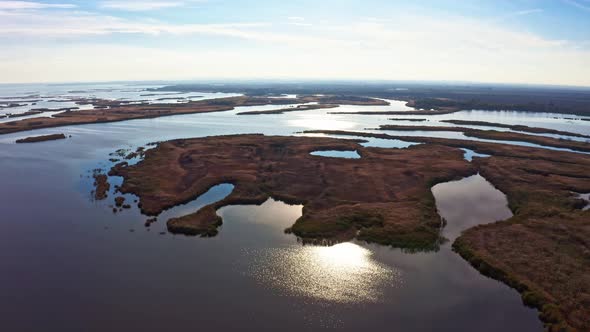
(294, 80)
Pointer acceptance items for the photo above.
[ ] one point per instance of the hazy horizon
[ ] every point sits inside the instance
(500, 42)
(279, 81)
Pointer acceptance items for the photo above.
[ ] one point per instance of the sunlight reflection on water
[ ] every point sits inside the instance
(320, 121)
(343, 273)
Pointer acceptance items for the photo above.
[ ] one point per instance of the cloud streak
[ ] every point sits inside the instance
(80, 24)
(23, 5)
(139, 5)
(585, 5)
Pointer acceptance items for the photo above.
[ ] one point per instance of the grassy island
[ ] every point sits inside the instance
(382, 197)
(35, 139)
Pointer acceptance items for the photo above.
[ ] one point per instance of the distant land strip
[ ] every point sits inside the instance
(424, 95)
(498, 135)
(290, 109)
(523, 128)
(112, 111)
(35, 139)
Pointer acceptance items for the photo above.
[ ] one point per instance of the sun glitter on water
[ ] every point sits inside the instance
(343, 273)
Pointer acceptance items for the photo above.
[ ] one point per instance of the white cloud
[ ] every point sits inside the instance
(519, 14)
(140, 5)
(527, 12)
(297, 21)
(15, 5)
(583, 5)
(81, 24)
(404, 47)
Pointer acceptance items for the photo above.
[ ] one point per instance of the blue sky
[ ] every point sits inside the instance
(518, 41)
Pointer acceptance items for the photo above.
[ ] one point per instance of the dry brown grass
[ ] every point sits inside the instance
(383, 197)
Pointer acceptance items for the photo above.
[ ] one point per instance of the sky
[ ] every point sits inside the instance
(501, 41)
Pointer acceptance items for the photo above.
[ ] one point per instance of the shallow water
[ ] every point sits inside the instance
(462, 136)
(214, 194)
(469, 202)
(585, 197)
(69, 263)
(370, 141)
(564, 122)
(337, 154)
(469, 154)
(58, 96)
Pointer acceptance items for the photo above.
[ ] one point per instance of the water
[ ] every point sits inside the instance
(469, 202)
(564, 122)
(469, 154)
(69, 263)
(214, 194)
(371, 141)
(585, 197)
(59, 96)
(337, 154)
(462, 136)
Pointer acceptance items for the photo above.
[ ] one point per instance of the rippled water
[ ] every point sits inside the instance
(344, 273)
(69, 263)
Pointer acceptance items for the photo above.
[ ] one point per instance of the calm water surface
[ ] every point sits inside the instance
(469, 154)
(69, 263)
(337, 154)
